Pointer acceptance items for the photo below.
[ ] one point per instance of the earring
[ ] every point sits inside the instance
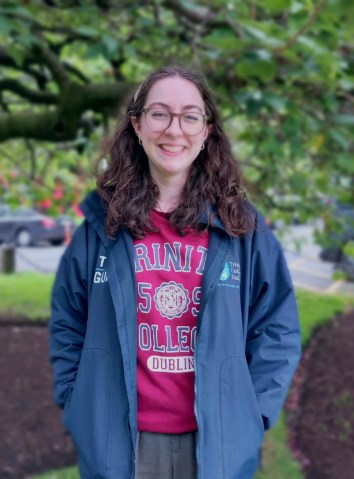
(203, 146)
(140, 142)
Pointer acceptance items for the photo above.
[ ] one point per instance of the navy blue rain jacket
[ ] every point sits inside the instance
(247, 348)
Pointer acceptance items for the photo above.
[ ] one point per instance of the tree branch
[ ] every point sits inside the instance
(33, 159)
(31, 95)
(55, 66)
(203, 19)
(7, 61)
(318, 9)
(236, 27)
(75, 71)
(38, 126)
(39, 27)
(194, 15)
(62, 123)
(347, 95)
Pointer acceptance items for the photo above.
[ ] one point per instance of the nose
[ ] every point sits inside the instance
(175, 127)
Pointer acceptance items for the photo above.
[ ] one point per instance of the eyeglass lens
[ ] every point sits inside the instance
(191, 123)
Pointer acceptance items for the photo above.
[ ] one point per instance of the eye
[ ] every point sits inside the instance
(159, 114)
(192, 117)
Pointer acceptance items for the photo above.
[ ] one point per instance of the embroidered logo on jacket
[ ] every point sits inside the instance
(231, 275)
(100, 275)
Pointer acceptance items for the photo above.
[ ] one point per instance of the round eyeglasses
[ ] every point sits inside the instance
(158, 120)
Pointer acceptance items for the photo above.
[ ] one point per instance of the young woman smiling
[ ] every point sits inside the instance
(174, 329)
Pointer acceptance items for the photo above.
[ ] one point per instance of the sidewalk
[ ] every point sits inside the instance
(307, 270)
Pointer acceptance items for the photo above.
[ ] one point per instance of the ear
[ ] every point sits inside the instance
(136, 125)
(207, 131)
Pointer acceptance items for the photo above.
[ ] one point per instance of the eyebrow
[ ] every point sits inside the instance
(163, 105)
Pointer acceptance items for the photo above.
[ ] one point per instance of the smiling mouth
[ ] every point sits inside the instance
(172, 149)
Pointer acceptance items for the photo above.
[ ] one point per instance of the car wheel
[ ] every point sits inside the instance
(57, 242)
(23, 238)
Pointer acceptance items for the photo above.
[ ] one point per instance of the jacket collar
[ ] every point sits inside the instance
(95, 211)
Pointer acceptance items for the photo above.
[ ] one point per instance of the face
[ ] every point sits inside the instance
(171, 152)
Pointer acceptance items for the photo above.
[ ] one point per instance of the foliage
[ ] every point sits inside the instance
(51, 178)
(282, 72)
(348, 249)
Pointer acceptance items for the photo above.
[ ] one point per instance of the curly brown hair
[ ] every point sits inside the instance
(213, 188)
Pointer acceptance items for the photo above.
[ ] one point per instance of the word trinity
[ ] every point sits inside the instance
(167, 257)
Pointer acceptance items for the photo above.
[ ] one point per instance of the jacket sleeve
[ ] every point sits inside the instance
(273, 345)
(68, 321)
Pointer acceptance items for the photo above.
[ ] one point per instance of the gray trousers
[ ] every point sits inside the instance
(166, 456)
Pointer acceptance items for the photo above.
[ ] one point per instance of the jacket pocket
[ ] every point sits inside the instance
(241, 420)
(87, 414)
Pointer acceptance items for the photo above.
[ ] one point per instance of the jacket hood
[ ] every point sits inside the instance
(95, 211)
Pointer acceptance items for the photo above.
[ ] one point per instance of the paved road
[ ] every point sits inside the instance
(306, 269)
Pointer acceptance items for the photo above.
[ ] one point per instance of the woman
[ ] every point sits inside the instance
(174, 332)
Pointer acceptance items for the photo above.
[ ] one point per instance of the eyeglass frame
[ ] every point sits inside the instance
(172, 116)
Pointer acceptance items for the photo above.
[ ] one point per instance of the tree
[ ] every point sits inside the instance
(282, 71)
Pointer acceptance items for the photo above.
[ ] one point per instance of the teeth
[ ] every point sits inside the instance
(172, 149)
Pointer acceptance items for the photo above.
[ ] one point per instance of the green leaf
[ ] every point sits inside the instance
(5, 25)
(346, 163)
(263, 54)
(310, 43)
(253, 107)
(261, 69)
(17, 54)
(24, 12)
(224, 39)
(339, 138)
(27, 40)
(111, 45)
(347, 120)
(213, 54)
(276, 102)
(94, 51)
(266, 33)
(256, 32)
(87, 31)
(129, 51)
(276, 6)
(297, 7)
(346, 84)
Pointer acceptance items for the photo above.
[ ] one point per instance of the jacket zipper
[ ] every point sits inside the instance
(195, 372)
(131, 460)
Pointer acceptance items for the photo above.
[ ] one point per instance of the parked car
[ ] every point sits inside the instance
(338, 229)
(26, 226)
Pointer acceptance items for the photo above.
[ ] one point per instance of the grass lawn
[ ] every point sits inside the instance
(28, 294)
(315, 309)
(68, 473)
(277, 462)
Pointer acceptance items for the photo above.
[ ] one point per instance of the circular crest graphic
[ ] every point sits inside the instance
(171, 300)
